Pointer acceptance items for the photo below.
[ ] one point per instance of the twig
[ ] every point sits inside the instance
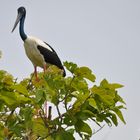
(50, 113)
(95, 122)
(58, 111)
(65, 103)
(43, 117)
(62, 114)
(98, 130)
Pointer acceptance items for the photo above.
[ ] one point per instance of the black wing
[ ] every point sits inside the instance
(51, 57)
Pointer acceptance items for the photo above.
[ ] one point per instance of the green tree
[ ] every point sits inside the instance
(23, 114)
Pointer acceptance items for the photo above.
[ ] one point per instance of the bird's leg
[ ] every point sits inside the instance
(35, 72)
(45, 67)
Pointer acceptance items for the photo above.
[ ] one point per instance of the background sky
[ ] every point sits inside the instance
(101, 34)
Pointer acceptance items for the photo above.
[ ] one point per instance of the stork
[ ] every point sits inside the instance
(40, 53)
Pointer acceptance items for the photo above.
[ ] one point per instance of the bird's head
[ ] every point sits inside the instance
(21, 13)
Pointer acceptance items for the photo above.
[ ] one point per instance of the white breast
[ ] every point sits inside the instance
(33, 53)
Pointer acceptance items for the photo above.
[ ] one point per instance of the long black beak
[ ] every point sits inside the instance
(19, 16)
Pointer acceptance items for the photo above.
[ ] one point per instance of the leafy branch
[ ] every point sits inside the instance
(22, 109)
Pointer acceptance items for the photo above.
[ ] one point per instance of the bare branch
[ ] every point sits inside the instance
(50, 113)
(98, 130)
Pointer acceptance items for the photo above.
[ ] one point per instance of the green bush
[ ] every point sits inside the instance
(22, 110)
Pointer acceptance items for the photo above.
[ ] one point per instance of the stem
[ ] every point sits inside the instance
(43, 117)
(65, 103)
(58, 111)
(98, 130)
(61, 115)
(95, 122)
(50, 113)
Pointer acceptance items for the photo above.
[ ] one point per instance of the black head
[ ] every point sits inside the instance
(21, 14)
(22, 11)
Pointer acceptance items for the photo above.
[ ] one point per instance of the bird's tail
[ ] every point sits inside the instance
(64, 72)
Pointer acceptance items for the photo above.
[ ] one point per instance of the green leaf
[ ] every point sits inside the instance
(13, 99)
(39, 96)
(107, 96)
(108, 121)
(22, 99)
(81, 126)
(116, 86)
(6, 78)
(70, 120)
(55, 82)
(85, 72)
(26, 113)
(92, 102)
(1, 105)
(1, 131)
(85, 115)
(63, 135)
(104, 83)
(53, 70)
(14, 126)
(20, 88)
(114, 119)
(17, 129)
(39, 128)
(70, 66)
(119, 99)
(71, 131)
(9, 98)
(119, 114)
(79, 84)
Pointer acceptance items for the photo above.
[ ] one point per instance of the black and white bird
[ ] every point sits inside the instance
(39, 52)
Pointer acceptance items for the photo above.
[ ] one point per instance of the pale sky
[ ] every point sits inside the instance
(101, 34)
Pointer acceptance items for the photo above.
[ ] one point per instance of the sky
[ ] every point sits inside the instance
(101, 34)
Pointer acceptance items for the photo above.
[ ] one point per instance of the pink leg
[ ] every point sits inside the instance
(44, 68)
(35, 72)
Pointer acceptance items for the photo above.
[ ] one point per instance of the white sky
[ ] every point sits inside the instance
(101, 34)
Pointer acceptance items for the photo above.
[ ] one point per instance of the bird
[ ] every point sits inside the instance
(40, 53)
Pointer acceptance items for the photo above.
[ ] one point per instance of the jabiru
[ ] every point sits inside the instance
(39, 52)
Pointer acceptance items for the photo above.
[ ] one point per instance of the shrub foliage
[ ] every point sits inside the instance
(76, 98)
